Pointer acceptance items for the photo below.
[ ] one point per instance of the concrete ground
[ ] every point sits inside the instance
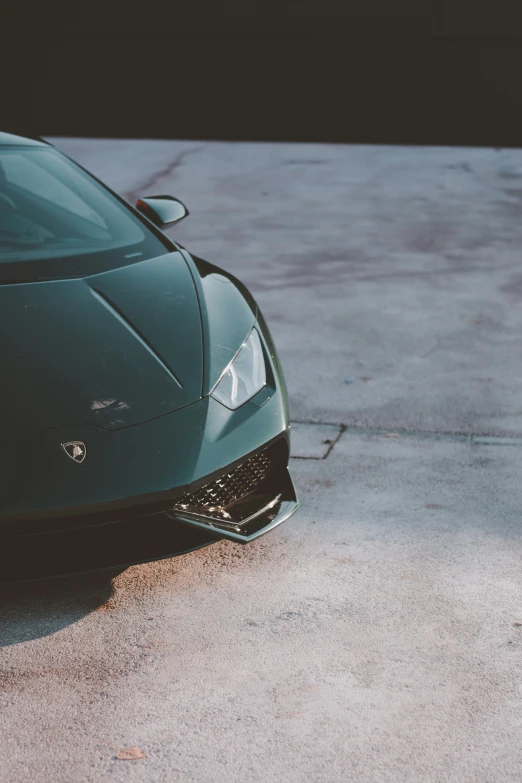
(377, 635)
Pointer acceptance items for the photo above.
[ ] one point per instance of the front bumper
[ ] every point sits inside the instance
(165, 528)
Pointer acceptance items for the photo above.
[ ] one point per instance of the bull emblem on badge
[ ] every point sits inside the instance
(75, 449)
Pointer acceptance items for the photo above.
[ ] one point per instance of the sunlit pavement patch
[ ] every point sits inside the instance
(310, 440)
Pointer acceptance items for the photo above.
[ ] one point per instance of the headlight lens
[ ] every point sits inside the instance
(244, 376)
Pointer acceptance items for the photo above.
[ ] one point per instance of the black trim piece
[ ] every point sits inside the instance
(120, 545)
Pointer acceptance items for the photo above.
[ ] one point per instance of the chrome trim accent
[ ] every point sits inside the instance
(288, 508)
(233, 525)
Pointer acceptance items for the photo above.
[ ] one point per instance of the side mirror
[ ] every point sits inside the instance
(162, 210)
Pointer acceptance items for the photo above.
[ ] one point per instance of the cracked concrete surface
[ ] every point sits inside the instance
(377, 635)
(146, 185)
(314, 440)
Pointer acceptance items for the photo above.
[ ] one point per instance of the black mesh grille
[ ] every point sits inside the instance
(232, 486)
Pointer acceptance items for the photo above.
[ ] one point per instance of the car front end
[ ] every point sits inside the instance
(143, 408)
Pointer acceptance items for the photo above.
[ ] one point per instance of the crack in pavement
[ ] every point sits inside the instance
(473, 439)
(341, 427)
(133, 195)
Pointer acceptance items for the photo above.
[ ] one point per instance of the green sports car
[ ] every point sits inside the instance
(143, 411)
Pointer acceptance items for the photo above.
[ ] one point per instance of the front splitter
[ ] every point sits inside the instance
(111, 546)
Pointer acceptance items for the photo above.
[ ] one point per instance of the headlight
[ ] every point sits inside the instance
(244, 376)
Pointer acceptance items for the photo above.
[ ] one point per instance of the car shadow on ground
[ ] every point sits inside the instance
(34, 602)
(31, 610)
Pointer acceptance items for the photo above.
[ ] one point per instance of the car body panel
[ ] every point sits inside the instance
(145, 461)
(25, 141)
(228, 313)
(113, 350)
(124, 361)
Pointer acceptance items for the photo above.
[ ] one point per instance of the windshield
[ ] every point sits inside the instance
(57, 221)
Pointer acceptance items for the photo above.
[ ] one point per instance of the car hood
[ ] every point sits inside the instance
(112, 350)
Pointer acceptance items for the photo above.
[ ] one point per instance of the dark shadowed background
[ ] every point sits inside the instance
(391, 71)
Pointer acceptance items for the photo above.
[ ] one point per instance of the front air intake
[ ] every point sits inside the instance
(251, 476)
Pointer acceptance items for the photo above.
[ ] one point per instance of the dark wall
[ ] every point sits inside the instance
(391, 71)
